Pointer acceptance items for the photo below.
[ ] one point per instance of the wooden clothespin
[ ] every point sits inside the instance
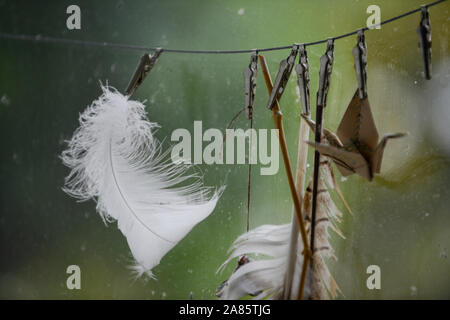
(144, 67)
(250, 74)
(302, 70)
(424, 31)
(286, 66)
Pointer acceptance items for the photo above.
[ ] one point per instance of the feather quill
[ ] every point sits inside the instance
(116, 160)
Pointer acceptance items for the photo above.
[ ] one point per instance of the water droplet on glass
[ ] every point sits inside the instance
(5, 100)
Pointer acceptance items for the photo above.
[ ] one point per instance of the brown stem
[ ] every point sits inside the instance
(278, 121)
(302, 157)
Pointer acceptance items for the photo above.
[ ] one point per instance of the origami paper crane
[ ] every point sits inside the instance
(354, 149)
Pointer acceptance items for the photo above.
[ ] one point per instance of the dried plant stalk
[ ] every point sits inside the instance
(278, 121)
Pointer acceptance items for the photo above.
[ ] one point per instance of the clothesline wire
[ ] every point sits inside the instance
(39, 38)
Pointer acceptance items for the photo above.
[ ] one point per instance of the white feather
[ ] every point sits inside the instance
(116, 160)
(266, 275)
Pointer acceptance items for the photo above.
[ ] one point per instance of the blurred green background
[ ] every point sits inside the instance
(401, 220)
